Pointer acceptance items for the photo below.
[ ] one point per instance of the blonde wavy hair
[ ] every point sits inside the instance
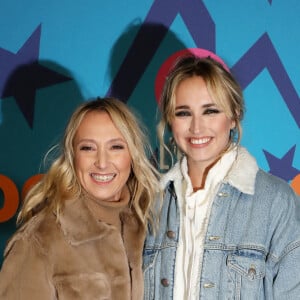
(60, 183)
(221, 85)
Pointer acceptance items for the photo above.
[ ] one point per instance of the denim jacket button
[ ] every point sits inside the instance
(214, 238)
(223, 194)
(171, 234)
(251, 272)
(208, 285)
(165, 282)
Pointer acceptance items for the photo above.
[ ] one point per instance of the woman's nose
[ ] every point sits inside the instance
(101, 159)
(195, 126)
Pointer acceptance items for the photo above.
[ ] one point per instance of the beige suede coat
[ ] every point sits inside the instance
(76, 257)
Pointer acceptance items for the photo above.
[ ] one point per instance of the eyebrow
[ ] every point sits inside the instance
(187, 107)
(118, 140)
(109, 141)
(182, 107)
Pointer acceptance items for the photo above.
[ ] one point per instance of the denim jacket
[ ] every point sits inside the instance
(252, 243)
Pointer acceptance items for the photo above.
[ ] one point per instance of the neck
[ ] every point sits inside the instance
(198, 175)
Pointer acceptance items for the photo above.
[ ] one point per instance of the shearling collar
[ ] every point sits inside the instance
(243, 172)
(241, 175)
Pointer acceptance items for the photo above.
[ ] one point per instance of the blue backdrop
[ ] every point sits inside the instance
(56, 54)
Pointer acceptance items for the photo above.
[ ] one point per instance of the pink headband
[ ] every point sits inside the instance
(165, 67)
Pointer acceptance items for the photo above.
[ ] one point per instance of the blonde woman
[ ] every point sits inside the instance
(84, 223)
(227, 230)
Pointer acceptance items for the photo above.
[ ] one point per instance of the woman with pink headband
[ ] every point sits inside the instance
(226, 228)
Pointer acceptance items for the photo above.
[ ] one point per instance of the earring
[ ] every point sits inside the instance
(173, 146)
(232, 135)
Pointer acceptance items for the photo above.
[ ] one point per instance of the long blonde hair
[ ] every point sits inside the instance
(60, 183)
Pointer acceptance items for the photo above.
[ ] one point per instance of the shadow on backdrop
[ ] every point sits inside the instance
(36, 102)
(135, 60)
(143, 41)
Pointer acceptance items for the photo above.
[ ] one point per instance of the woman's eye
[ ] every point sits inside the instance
(211, 111)
(117, 147)
(85, 148)
(182, 113)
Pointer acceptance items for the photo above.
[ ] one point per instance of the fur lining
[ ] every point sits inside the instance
(243, 172)
(241, 175)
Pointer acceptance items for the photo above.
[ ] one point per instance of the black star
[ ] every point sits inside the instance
(282, 167)
(21, 75)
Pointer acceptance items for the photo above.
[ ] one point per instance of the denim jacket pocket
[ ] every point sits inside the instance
(158, 268)
(246, 269)
(149, 258)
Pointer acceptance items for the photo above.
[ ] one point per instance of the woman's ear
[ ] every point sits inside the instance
(233, 124)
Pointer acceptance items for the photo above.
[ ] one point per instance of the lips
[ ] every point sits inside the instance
(102, 178)
(199, 141)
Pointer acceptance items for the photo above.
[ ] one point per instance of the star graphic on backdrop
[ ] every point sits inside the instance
(263, 55)
(151, 34)
(282, 167)
(21, 75)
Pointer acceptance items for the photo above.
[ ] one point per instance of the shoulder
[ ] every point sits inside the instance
(283, 210)
(37, 232)
(266, 182)
(278, 195)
